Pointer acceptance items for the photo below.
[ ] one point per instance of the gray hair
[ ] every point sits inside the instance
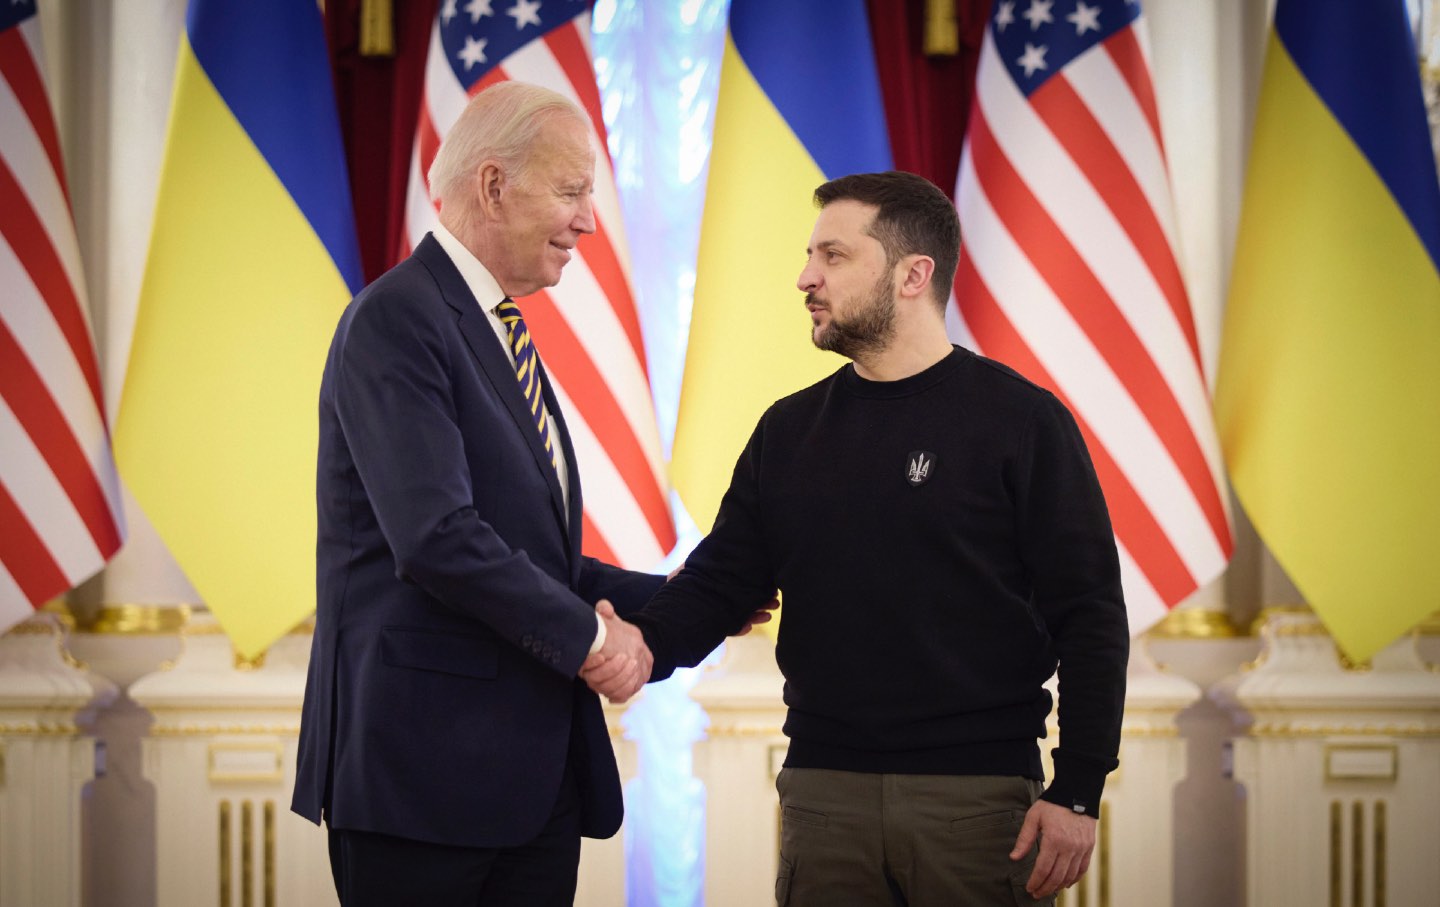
(500, 123)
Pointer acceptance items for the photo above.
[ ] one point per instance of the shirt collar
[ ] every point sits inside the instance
(477, 277)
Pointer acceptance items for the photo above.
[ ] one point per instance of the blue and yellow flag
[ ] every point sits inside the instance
(252, 257)
(1329, 386)
(799, 104)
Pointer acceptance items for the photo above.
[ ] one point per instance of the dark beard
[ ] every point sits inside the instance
(869, 330)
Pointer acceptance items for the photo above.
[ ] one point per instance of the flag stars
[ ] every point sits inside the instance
(1005, 15)
(525, 12)
(1085, 18)
(478, 9)
(1038, 13)
(473, 52)
(1033, 59)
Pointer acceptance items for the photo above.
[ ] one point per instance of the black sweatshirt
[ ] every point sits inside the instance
(939, 542)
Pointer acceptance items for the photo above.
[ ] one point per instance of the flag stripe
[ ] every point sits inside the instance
(1069, 272)
(1134, 522)
(40, 497)
(567, 362)
(48, 352)
(19, 70)
(59, 495)
(1082, 137)
(1033, 312)
(26, 558)
(23, 232)
(1069, 276)
(42, 420)
(1129, 59)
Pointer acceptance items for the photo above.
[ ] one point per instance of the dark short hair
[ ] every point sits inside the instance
(914, 216)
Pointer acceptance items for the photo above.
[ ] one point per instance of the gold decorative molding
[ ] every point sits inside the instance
(2, 764)
(139, 620)
(1274, 729)
(40, 729)
(743, 731)
(1194, 623)
(1430, 626)
(225, 853)
(199, 729)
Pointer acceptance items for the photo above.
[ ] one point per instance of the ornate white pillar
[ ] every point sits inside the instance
(1134, 858)
(221, 756)
(601, 881)
(737, 762)
(1341, 765)
(46, 759)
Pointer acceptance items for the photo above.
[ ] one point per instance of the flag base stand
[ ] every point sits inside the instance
(1340, 766)
(48, 702)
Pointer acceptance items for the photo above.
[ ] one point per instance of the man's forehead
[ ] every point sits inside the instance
(842, 222)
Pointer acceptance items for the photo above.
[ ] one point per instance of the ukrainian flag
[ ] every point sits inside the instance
(799, 104)
(252, 257)
(1329, 386)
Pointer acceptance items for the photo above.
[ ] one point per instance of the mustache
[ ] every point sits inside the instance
(811, 300)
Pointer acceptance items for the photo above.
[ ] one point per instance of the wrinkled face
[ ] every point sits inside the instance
(849, 288)
(546, 210)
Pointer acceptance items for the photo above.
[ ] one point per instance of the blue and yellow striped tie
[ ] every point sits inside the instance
(527, 370)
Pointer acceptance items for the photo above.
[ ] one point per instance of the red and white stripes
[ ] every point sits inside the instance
(587, 328)
(60, 516)
(1068, 273)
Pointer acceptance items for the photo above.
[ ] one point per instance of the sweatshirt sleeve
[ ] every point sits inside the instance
(724, 580)
(1068, 549)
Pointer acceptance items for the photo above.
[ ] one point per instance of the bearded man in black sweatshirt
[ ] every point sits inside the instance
(939, 536)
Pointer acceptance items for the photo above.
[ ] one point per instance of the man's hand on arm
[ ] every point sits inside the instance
(622, 666)
(1067, 839)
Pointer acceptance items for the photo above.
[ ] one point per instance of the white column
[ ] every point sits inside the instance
(737, 762)
(1342, 770)
(221, 756)
(45, 761)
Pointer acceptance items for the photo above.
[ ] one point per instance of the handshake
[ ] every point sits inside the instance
(623, 664)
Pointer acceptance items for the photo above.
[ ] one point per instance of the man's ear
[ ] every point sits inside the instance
(490, 185)
(916, 274)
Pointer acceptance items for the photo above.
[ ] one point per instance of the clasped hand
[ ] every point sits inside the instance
(622, 666)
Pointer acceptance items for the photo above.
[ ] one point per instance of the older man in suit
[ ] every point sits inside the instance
(445, 739)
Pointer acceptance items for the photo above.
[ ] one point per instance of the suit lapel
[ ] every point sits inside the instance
(495, 362)
(573, 473)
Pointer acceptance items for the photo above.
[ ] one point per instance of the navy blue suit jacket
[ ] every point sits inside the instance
(454, 607)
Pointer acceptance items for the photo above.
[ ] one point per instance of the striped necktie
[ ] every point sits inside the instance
(527, 370)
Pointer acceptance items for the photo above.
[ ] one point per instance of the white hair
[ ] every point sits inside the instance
(500, 123)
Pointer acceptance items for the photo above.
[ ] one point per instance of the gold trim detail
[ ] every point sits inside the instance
(275, 774)
(139, 620)
(225, 853)
(2, 764)
(1380, 856)
(247, 854)
(1391, 749)
(746, 732)
(1336, 872)
(1104, 846)
(942, 32)
(377, 28)
(270, 899)
(41, 729)
(1430, 626)
(1194, 623)
(1301, 729)
(1357, 853)
(197, 729)
(255, 663)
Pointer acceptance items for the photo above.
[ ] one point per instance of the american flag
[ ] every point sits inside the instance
(586, 327)
(60, 517)
(1068, 273)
